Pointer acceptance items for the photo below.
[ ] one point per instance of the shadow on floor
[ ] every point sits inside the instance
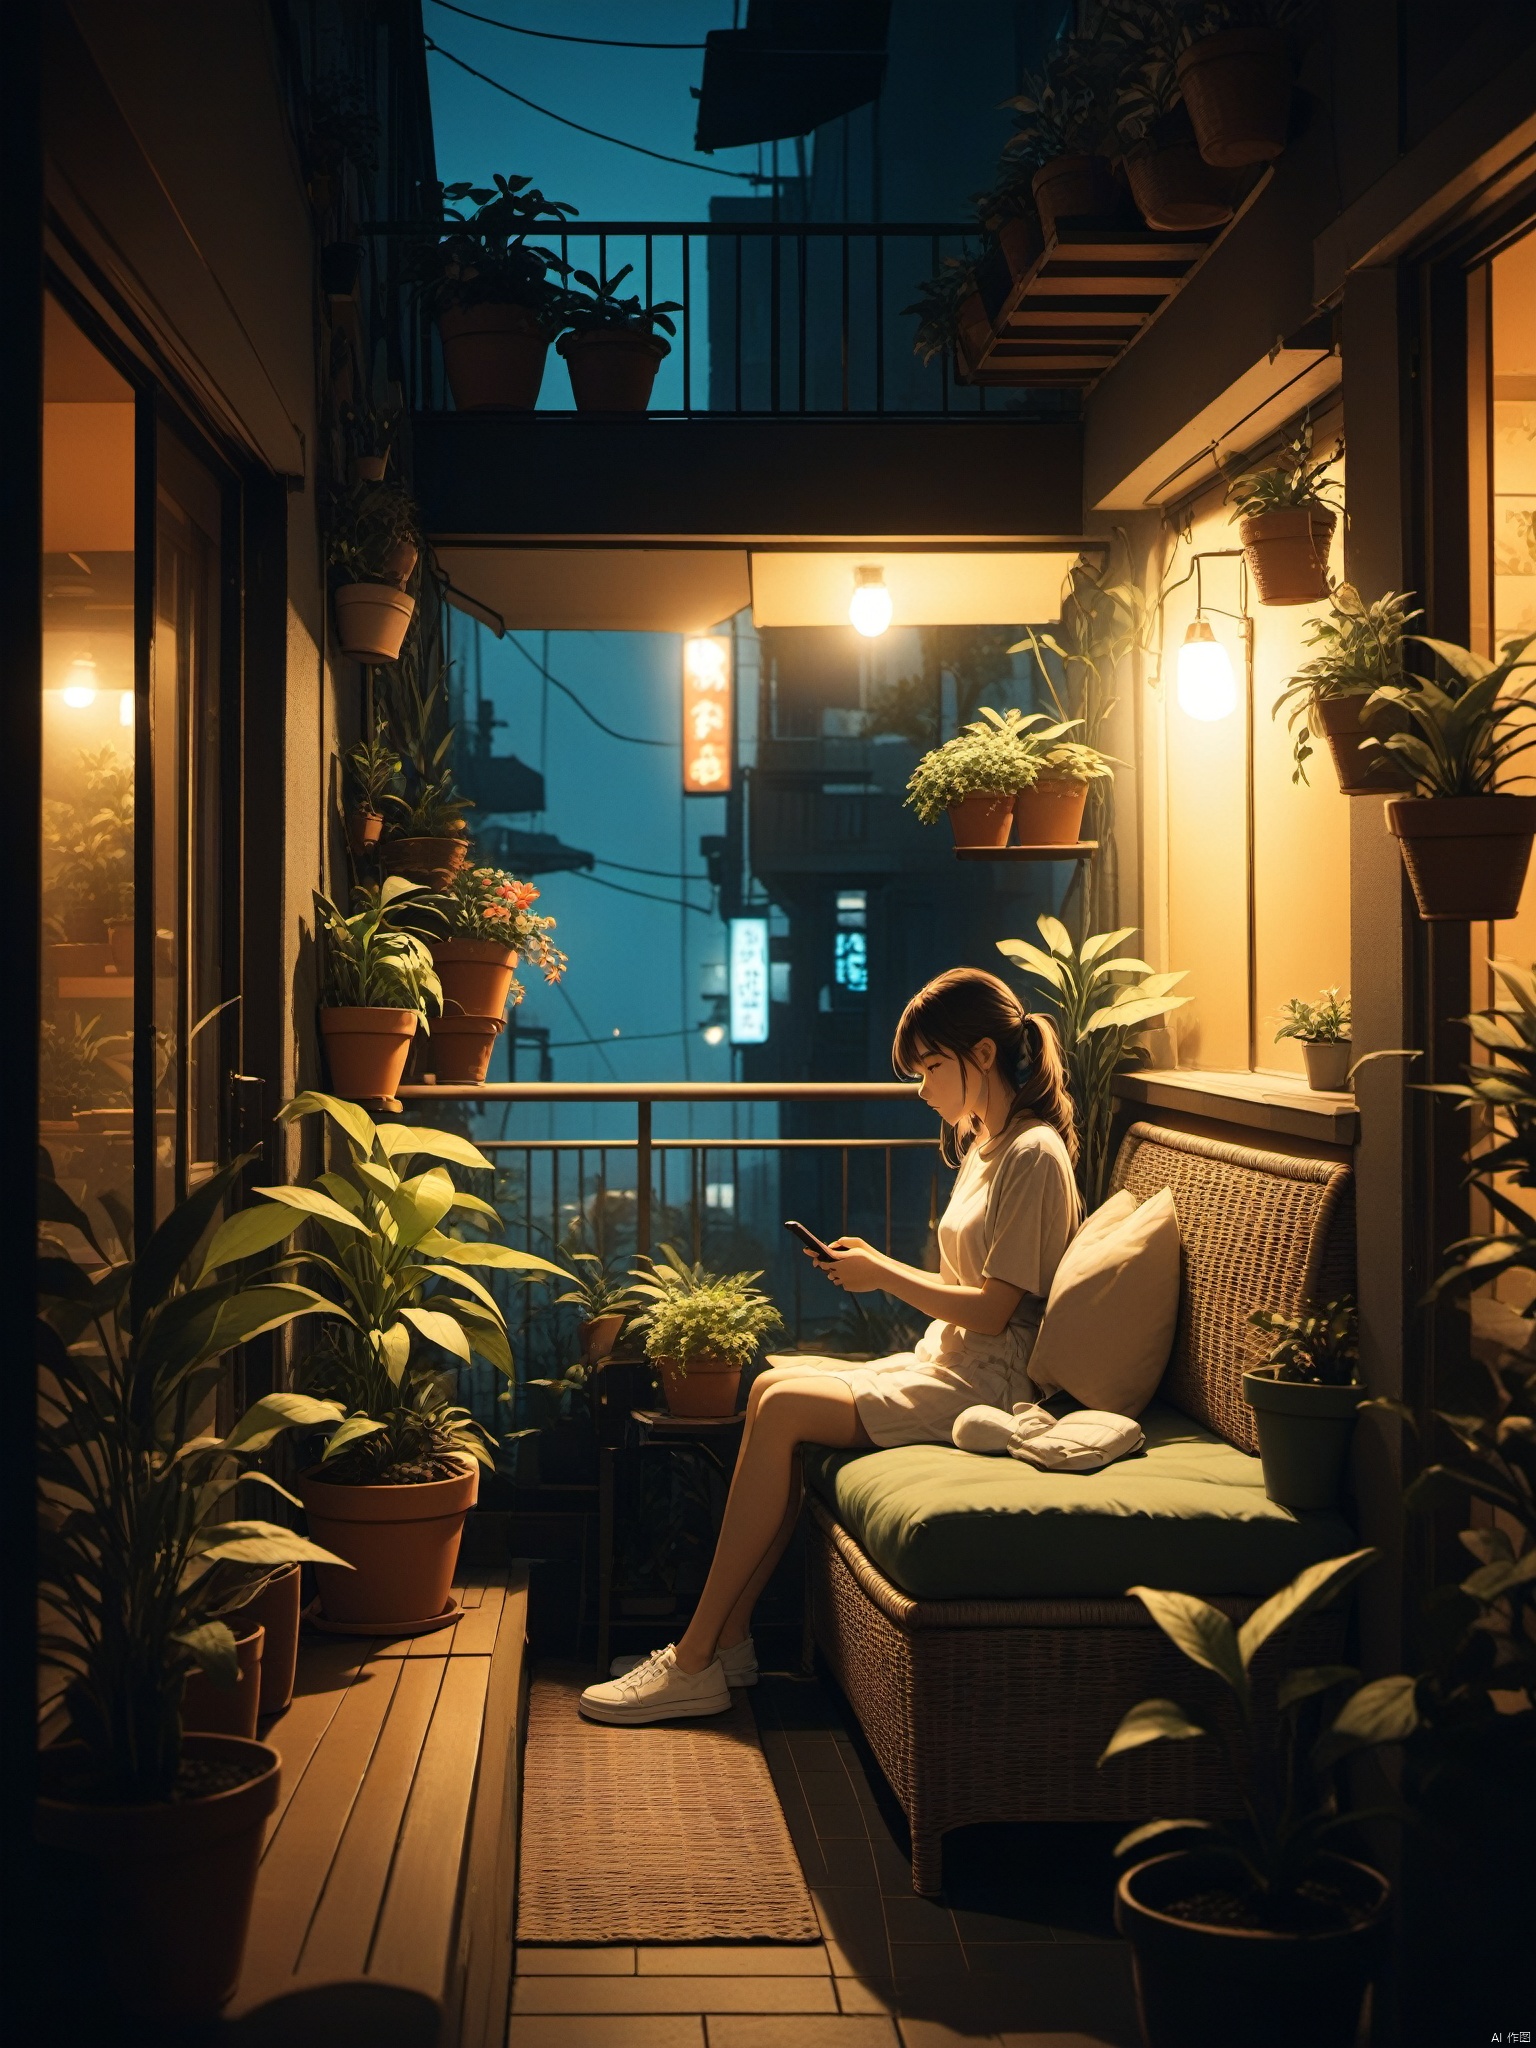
(1022, 1938)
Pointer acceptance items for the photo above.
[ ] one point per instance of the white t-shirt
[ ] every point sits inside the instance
(1011, 1215)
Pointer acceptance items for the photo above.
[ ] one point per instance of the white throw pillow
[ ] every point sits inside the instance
(1113, 1305)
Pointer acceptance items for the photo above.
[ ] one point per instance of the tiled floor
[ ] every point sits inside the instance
(1019, 1951)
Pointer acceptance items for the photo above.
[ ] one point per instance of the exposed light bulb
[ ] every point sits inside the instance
(1206, 687)
(869, 609)
(125, 707)
(80, 686)
(714, 1034)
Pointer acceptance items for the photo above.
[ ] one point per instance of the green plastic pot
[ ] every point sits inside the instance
(1304, 1434)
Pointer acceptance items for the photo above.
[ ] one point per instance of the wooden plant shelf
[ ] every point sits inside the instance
(1081, 849)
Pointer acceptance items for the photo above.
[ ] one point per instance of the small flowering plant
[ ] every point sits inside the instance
(490, 904)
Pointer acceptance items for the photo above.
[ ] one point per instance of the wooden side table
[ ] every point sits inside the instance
(715, 1439)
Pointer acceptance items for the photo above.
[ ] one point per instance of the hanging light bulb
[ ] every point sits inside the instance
(869, 609)
(713, 1034)
(1206, 688)
(80, 682)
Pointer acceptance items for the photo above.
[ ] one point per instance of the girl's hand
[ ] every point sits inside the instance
(857, 1267)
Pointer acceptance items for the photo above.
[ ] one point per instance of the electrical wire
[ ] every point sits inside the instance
(630, 739)
(600, 1043)
(659, 156)
(627, 1038)
(549, 35)
(656, 874)
(645, 895)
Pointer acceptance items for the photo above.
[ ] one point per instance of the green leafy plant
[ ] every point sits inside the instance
(88, 846)
(1321, 1023)
(79, 1066)
(1145, 38)
(1290, 1809)
(135, 1492)
(1359, 651)
(488, 903)
(1462, 735)
(374, 958)
(599, 305)
(1293, 483)
(938, 305)
(373, 768)
(1065, 107)
(373, 533)
(1319, 1347)
(695, 1314)
(595, 1289)
(483, 257)
(403, 1306)
(1102, 1001)
(371, 429)
(995, 754)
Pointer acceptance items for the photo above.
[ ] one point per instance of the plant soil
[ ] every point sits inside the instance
(1317, 1906)
(197, 1777)
(353, 1468)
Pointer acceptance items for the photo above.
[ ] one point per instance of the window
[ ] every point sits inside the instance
(850, 955)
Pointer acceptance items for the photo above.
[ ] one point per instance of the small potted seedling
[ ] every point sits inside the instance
(1304, 1398)
(1322, 1030)
(606, 1304)
(701, 1330)
(1285, 516)
(373, 770)
(611, 346)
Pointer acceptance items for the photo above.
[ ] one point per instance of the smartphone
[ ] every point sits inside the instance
(811, 1241)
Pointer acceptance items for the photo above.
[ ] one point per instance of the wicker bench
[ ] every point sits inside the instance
(986, 1710)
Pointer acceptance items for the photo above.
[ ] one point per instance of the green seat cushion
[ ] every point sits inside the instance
(1188, 1512)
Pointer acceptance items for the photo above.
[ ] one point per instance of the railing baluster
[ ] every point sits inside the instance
(888, 1201)
(697, 1158)
(687, 326)
(800, 368)
(845, 1191)
(843, 342)
(934, 257)
(774, 317)
(736, 323)
(879, 240)
(643, 1176)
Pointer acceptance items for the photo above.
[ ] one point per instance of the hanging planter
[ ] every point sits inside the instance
(460, 1048)
(371, 620)
(1362, 770)
(1075, 188)
(1466, 856)
(493, 356)
(402, 1542)
(365, 1050)
(1237, 87)
(613, 369)
(1174, 188)
(1049, 812)
(1287, 552)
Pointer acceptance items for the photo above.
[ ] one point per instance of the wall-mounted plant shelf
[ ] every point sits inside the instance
(1082, 849)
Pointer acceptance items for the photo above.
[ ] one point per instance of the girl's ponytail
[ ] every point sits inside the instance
(1043, 1089)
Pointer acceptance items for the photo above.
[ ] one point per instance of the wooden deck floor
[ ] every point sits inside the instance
(388, 1880)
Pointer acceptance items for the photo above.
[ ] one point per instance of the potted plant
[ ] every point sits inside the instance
(1285, 518)
(1013, 238)
(949, 307)
(495, 296)
(1257, 1927)
(611, 346)
(1465, 844)
(378, 984)
(401, 1471)
(606, 1303)
(1322, 1031)
(1065, 110)
(1360, 651)
(1304, 1399)
(373, 771)
(373, 539)
(88, 864)
(490, 924)
(425, 838)
(701, 1329)
(136, 1547)
(1103, 1001)
(1173, 186)
(974, 778)
(371, 432)
(1235, 74)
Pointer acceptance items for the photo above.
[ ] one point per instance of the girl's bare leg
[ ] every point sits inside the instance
(809, 1409)
(738, 1623)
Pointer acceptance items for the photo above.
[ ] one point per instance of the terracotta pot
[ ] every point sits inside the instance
(1075, 188)
(276, 1607)
(599, 1334)
(403, 1542)
(493, 356)
(1466, 856)
(400, 563)
(476, 975)
(365, 1050)
(369, 469)
(83, 925)
(459, 1048)
(1207, 1987)
(1176, 190)
(120, 943)
(1304, 1434)
(1237, 87)
(1328, 1062)
(707, 1388)
(176, 1878)
(371, 619)
(1360, 774)
(79, 958)
(363, 829)
(613, 369)
(982, 820)
(1287, 552)
(1050, 813)
(432, 861)
(213, 1709)
(972, 329)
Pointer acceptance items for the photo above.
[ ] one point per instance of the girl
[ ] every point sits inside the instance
(994, 1075)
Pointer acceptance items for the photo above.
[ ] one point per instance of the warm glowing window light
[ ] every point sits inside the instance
(125, 707)
(869, 609)
(1207, 689)
(80, 683)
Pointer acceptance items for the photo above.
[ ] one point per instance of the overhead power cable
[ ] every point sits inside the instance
(599, 1043)
(645, 895)
(549, 35)
(659, 156)
(630, 739)
(656, 874)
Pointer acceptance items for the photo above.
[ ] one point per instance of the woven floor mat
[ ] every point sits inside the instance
(664, 1834)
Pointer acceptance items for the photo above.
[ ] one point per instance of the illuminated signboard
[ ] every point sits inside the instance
(707, 715)
(750, 981)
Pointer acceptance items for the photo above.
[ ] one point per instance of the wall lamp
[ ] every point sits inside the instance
(1205, 686)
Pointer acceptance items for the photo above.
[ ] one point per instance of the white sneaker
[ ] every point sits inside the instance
(739, 1663)
(657, 1690)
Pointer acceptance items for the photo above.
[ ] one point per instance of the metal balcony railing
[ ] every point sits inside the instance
(797, 317)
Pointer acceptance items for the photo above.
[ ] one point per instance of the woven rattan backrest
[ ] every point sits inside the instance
(1258, 1230)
